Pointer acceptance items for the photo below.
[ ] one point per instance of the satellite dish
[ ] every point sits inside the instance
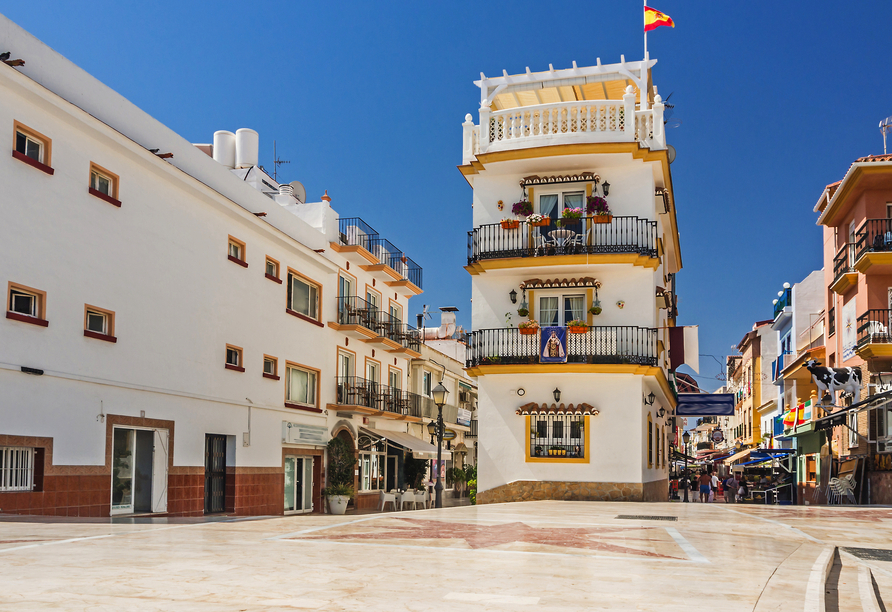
(300, 192)
(671, 151)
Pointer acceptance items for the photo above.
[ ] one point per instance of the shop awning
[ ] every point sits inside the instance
(705, 404)
(829, 422)
(744, 454)
(419, 448)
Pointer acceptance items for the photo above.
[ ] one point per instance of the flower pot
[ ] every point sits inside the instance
(577, 329)
(528, 331)
(541, 223)
(602, 218)
(337, 504)
(510, 224)
(595, 310)
(523, 312)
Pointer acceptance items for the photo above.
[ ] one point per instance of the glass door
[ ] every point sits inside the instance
(298, 484)
(574, 308)
(549, 314)
(123, 442)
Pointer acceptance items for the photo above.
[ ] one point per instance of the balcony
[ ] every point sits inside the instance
(844, 274)
(357, 395)
(778, 365)
(599, 345)
(359, 319)
(623, 240)
(874, 337)
(873, 246)
(360, 243)
(783, 302)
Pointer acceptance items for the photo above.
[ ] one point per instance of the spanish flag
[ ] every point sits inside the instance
(654, 19)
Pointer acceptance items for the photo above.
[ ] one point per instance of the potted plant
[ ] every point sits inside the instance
(509, 223)
(597, 208)
(524, 208)
(577, 326)
(595, 309)
(529, 328)
(341, 463)
(569, 216)
(537, 220)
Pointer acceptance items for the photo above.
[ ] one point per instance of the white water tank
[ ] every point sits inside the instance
(224, 148)
(247, 148)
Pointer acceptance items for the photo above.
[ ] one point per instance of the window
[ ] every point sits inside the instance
(270, 367)
(300, 386)
(372, 463)
(559, 436)
(394, 381)
(104, 184)
(99, 323)
(272, 269)
(650, 442)
(303, 296)
(237, 251)
(831, 321)
(345, 364)
(561, 309)
(396, 313)
(16, 468)
(32, 147)
(26, 304)
(426, 384)
(234, 358)
(553, 204)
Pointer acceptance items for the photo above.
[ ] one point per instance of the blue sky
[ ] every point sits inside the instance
(366, 100)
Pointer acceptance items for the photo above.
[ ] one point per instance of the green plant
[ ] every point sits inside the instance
(472, 487)
(341, 463)
(577, 323)
(507, 319)
(595, 310)
(523, 312)
(344, 490)
(470, 472)
(531, 324)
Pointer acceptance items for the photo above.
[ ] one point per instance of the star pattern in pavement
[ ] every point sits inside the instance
(487, 536)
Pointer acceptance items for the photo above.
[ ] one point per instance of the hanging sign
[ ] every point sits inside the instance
(553, 345)
(718, 436)
(449, 434)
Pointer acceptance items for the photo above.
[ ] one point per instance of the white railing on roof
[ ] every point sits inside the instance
(580, 121)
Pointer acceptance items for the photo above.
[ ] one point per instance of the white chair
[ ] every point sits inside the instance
(407, 497)
(877, 331)
(423, 498)
(388, 498)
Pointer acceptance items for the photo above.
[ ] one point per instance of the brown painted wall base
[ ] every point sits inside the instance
(880, 487)
(532, 490)
(252, 491)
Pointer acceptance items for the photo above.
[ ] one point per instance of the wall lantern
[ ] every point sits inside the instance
(649, 400)
(661, 412)
(557, 394)
(513, 296)
(606, 187)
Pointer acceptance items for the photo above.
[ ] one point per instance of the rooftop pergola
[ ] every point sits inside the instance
(599, 82)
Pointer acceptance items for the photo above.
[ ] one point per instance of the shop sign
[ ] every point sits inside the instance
(882, 463)
(298, 433)
(449, 434)
(718, 436)
(463, 417)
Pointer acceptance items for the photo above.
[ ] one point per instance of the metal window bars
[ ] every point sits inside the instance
(557, 435)
(16, 468)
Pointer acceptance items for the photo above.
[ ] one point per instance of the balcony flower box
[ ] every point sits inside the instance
(577, 326)
(510, 224)
(536, 220)
(602, 218)
(528, 328)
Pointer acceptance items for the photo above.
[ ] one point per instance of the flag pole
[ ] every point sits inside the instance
(645, 31)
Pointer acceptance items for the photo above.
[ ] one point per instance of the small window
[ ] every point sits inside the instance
(303, 296)
(103, 183)
(16, 468)
(23, 302)
(236, 249)
(426, 384)
(99, 322)
(31, 144)
(26, 304)
(234, 358)
(300, 386)
(270, 367)
(272, 267)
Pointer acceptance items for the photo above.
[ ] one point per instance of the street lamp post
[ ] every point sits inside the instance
(686, 437)
(439, 394)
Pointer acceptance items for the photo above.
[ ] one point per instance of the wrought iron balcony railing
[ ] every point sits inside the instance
(585, 236)
(354, 231)
(844, 261)
(874, 235)
(786, 299)
(873, 327)
(598, 345)
(353, 310)
(356, 391)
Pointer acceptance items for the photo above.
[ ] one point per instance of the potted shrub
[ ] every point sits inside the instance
(597, 208)
(509, 223)
(577, 326)
(341, 463)
(529, 328)
(338, 496)
(524, 208)
(537, 220)
(569, 216)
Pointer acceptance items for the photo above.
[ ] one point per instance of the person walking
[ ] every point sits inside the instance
(715, 487)
(730, 489)
(743, 488)
(705, 484)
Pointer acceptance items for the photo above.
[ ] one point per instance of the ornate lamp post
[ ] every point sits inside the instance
(439, 394)
(686, 438)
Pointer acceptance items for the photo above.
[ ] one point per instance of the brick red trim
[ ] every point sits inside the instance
(304, 317)
(98, 336)
(17, 316)
(105, 197)
(229, 366)
(270, 376)
(273, 278)
(240, 262)
(33, 162)
(302, 407)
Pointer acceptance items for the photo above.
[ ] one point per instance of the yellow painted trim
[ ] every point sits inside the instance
(532, 304)
(407, 284)
(844, 283)
(385, 341)
(589, 297)
(866, 261)
(383, 268)
(563, 260)
(830, 215)
(359, 330)
(587, 447)
(353, 248)
(872, 350)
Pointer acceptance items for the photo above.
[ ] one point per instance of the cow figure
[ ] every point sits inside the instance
(831, 380)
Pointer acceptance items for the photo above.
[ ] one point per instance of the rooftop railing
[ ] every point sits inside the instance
(786, 299)
(598, 345)
(585, 236)
(354, 231)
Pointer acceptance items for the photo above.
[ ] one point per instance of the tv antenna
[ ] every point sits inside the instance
(277, 162)
(885, 128)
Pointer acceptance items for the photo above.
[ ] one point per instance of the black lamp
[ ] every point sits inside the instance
(649, 400)
(606, 187)
(432, 428)
(438, 393)
(513, 296)
(686, 438)
(661, 412)
(557, 394)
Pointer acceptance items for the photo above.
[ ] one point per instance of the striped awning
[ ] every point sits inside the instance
(545, 409)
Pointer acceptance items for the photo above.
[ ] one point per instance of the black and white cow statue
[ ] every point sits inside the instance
(831, 380)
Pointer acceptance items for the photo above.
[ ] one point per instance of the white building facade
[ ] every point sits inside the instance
(565, 406)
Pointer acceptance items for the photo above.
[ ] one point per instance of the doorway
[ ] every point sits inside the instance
(214, 473)
(298, 484)
(391, 472)
(139, 470)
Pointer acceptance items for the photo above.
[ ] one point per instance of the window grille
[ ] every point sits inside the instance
(557, 436)
(16, 468)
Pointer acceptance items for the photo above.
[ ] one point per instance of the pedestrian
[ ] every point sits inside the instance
(705, 484)
(715, 488)
(744, 488)
(730, 486)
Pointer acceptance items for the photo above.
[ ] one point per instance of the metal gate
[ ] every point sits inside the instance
(214, 473)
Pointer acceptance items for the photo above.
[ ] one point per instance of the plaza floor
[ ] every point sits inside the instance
(524, 556)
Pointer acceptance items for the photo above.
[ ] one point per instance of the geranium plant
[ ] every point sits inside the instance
(524, 208)
(570, 215)
(531, 324)
(536, 218)
(597, 206)
(577, 323)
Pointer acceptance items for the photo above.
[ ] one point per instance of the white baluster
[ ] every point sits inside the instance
(658, 127)
(629, 112)
(485, 128)
(467, 153)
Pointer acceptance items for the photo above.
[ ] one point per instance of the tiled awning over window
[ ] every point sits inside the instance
(578, 409)
(560, 283)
